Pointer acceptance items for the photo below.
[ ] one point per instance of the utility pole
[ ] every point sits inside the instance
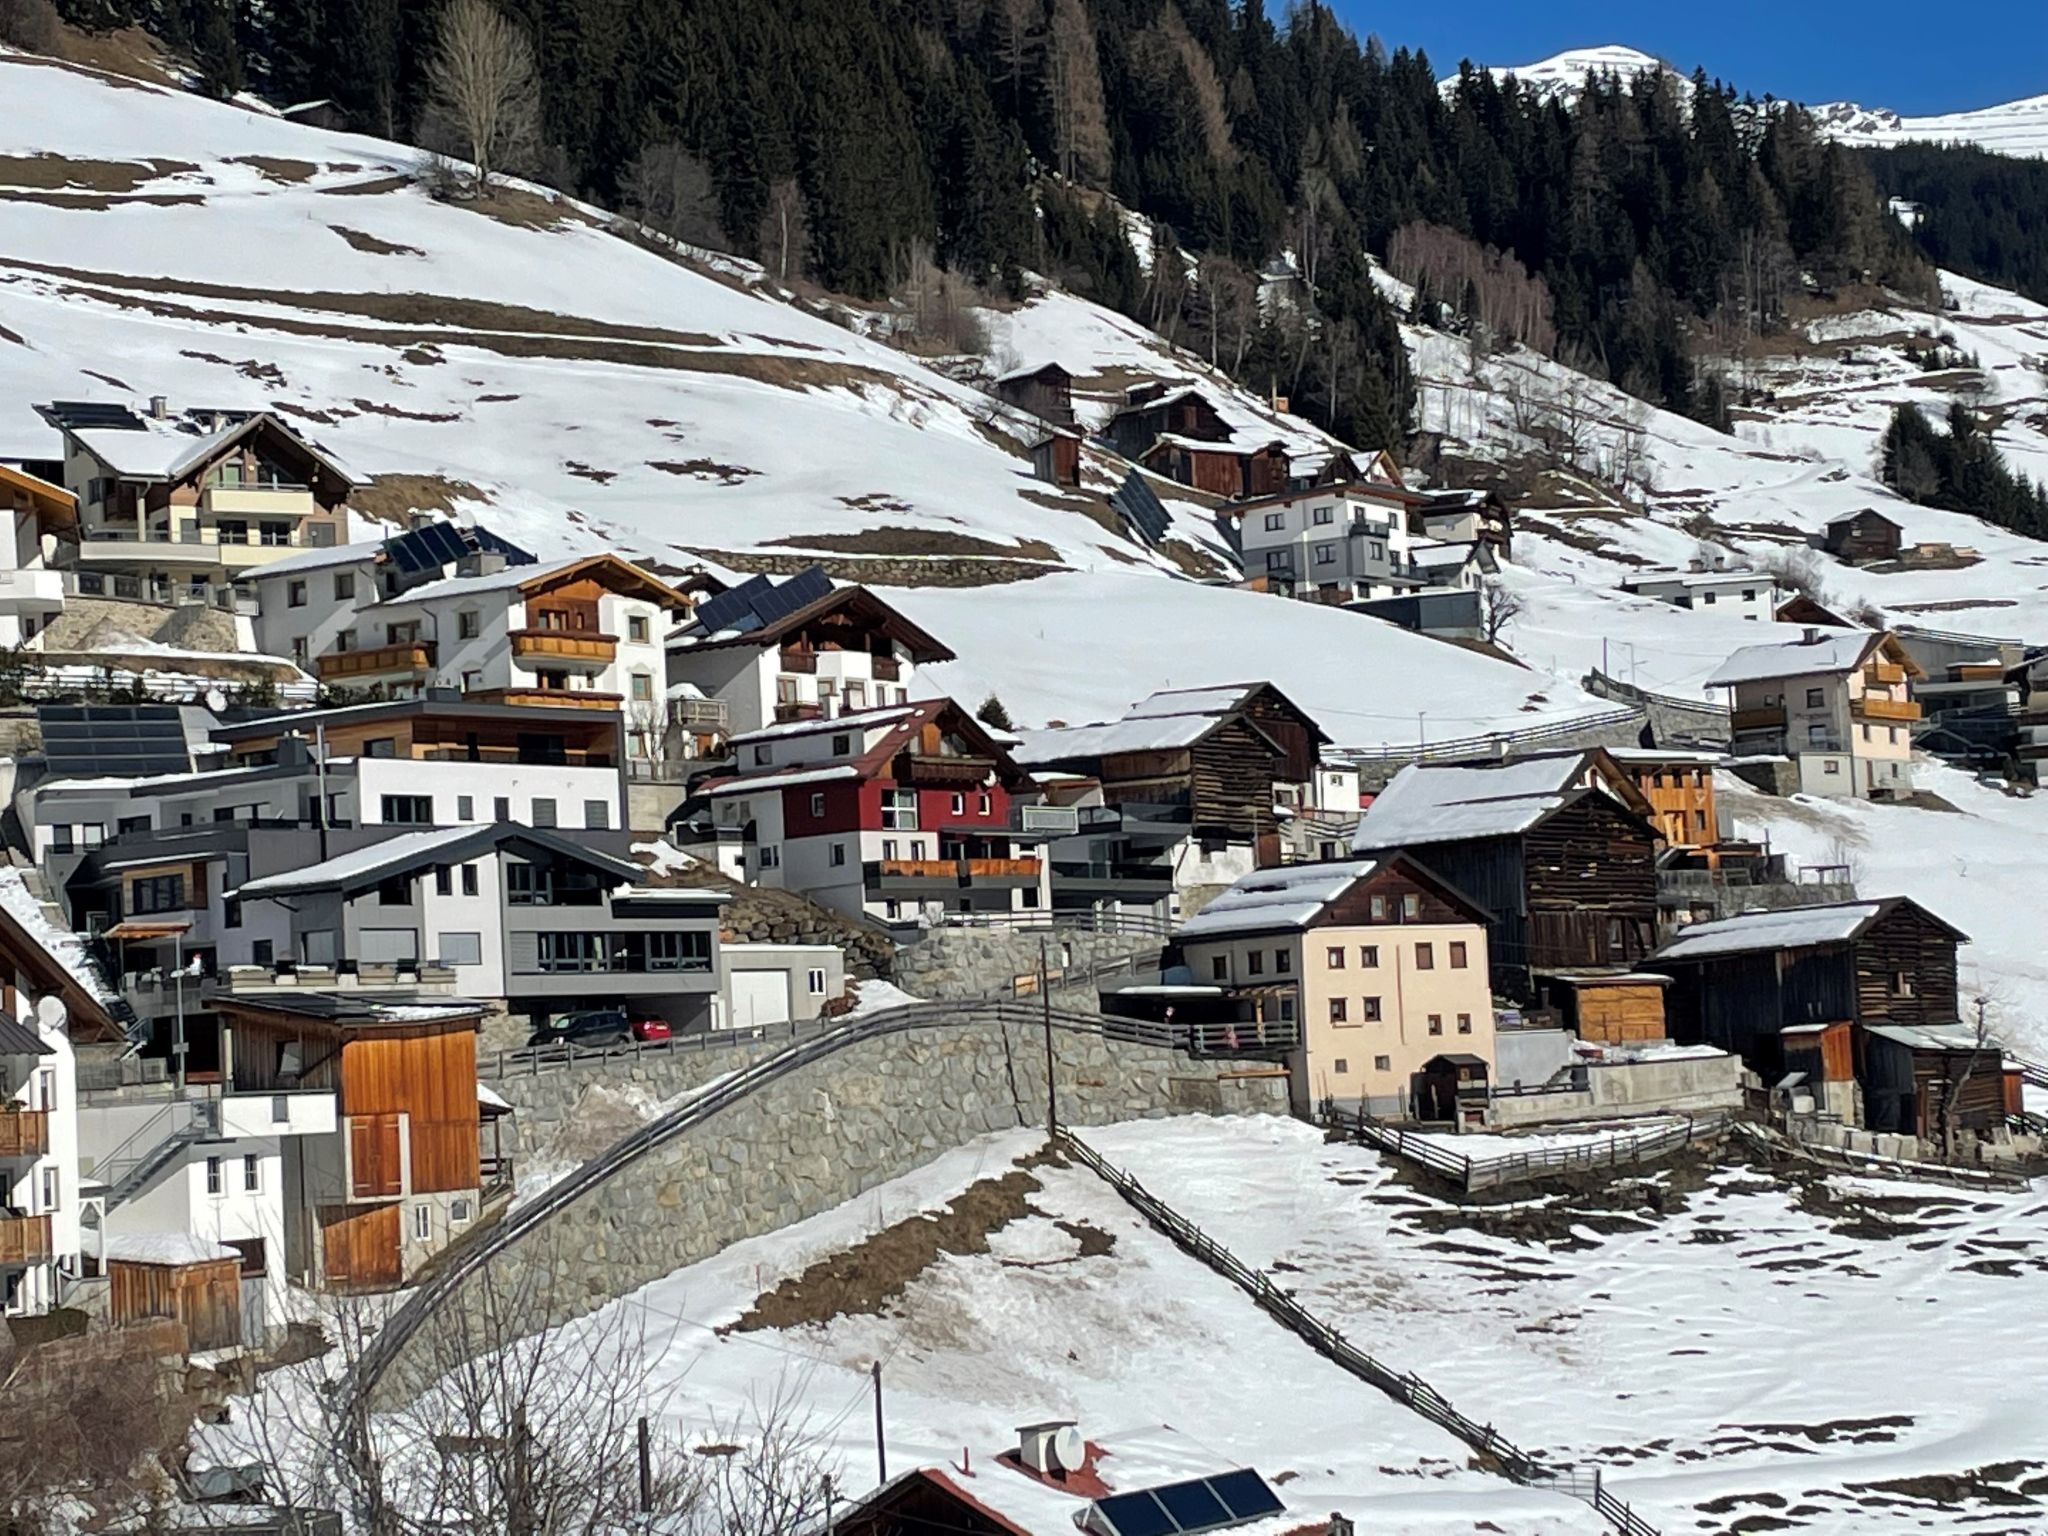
(1052, 1103)
(646, 1468)
(881, 1450)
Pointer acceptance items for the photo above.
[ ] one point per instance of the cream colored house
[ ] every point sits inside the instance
(1381, 963)
(1838, 703)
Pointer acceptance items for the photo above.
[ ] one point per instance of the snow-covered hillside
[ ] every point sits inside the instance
(582, 392)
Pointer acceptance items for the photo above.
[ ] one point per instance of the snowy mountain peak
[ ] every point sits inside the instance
(2018, 128)
(1563, 74)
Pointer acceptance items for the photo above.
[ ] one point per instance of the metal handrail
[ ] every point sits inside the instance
(1472, 1174)
(1493, 742)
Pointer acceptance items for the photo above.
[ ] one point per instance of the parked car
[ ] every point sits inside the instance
(599, 1026)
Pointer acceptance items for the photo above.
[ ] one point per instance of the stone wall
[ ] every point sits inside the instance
(1670, 719)
(1377, 774)
(874, 1111)
(1682, 1085)
(1773, 775)
(947, 963)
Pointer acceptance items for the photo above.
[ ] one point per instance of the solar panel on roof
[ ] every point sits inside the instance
(85, 415)
(484, 539)
(800, 591)
(1136, 1514)
(125, 741)
(1246, 1494)
(426, 548)
(1136, 502)
(1194, 1506)
(759, 601)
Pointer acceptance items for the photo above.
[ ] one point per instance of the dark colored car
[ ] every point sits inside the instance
(598, 1026)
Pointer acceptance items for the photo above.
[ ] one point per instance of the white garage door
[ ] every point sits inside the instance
(759, 997)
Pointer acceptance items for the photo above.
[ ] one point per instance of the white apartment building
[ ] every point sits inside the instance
(1838, 703)
(1738, 594)
(1346, 541)
(40, 516)
(768, 653)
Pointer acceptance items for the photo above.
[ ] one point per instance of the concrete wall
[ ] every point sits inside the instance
(1377, 774)
(950, 963)
(1530, 1055)
(1686, 1085)
(872, 1112)
(1670, 719)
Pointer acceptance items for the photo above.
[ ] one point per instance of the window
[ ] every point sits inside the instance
(1275, 521)
(1369, 1008)
(1712, 598)
(1902, 984)
(814, 980)
(892, 910)
(157, 893)
(53, 1190)
(1813, 698)
(214, 1185)
(295, 594)
(1379, 909)
(444, 880)
(264, 953)
(679, 950)
(501, 808)
(1337, 1010)
(252, 1172)
(462, 949)
(423, 1222)
(983, 805)
(1325, 515)
(277, 535)
(1219, 967)
(344, 586)
(468, 624)
(1436, 1023)
(817, 803)
(543, 813)
(899, 810)
(128, 824)
(1425, 957)
(91, 834)
(841, 745)
(1369, 956)
(472, 679)
(1334, 957)
(636, 628)
(1383, 1063)
(395, 892)
(469, 879)
(1464, 1023)
(1283, 961)
(1279, 560)
(1255, 963)
(771, 858)
(1343, 1066)
(888, 847)
(838, 855)
(597, 815)
(1411, 907)
(959, 805)
(409, 810)
(643, 687)
(763, 756)
(1457, 954)
(1326, 554)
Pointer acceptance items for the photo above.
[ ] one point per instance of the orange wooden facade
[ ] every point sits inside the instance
(1621, 1011)
(359, 1246)
(1681, 797)
(206, 1297)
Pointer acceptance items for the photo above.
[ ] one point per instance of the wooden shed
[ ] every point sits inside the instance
(1930, 1081)
(1613, 1008)
(186, 1279)
(1824, 1052)
(1046, 391)
(1056, 458)
(1864, 536)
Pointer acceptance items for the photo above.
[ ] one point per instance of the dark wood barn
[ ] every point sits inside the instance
(1864, 536)
(1930, 1082)
(1047, 392)
(1222, 470)
(1153, 411)
(1056, 458)
(1740, 982)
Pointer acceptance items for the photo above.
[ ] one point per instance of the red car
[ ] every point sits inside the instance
(650, 1029)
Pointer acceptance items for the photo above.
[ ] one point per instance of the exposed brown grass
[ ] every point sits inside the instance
(55, 173)
(882, 570)
(372, 245)
(376, 187)
(98, 202)
(377, 408)
(704, 469)
(127, 58)
(271, 168)
(1192, 561)
(390, 497)
(917, 541)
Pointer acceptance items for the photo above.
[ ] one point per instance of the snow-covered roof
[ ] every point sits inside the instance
(316, 560)
(790, 780)
(490, 581)
(1793, 928)
(1834, 651)
(1930, 1037)
(1289, 897)
(1026, 373)
(1696, 579)
(1217, 699)
(1436, 555)
(166, 1248)
(864, 721)
(358, 864)
(65, 948)
(1165, 733)
(1664, 755)
(1429, 804)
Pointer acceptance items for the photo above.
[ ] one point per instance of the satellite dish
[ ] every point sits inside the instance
(50, 1011)
(1069, 1450)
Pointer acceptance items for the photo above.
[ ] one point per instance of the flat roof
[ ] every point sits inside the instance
(362, 1008)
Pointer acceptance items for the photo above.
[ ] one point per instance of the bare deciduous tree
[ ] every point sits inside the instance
(1503, 300)
(1073, 78)
(483, 95)
(669, 190)
(784, 238)
(1499, 605)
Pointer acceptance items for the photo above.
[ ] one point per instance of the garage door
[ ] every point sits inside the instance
(759, 997)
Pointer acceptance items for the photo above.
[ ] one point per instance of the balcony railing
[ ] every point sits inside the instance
(258, 500)
(888, 669)
(784, 713)
(567, 647)
(1874, 708)
(190, 534)
(962, 871)
(1764, 717)
(931, 769)
(698, 714)
(799, 661)
(1887, 672)
(555, 698)
(25, 1240)
(346, 666)
(24, 1133)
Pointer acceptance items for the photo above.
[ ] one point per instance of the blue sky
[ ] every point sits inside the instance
(1915, 58)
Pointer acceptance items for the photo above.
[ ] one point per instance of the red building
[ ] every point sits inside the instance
(898, 814)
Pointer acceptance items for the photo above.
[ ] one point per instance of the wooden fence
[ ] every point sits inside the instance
(1405, 1388)
(1619, 1149)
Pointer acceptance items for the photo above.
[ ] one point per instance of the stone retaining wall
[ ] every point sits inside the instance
(798, 1147)
(948, 963)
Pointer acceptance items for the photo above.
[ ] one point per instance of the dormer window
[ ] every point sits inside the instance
(763, 756)
(841, 745)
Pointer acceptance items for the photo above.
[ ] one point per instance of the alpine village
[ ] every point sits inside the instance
(1010, 766)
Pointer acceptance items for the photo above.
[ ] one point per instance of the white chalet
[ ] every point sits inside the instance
(1733, 594)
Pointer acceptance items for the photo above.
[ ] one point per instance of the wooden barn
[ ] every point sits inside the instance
(1931, 1081)
(1046, 391)
(1559, 850)
(1153, 411)
(1741, 983)
(1864, 537)
(401, 1175)
(1056, 458)
(1220, 469)
(188, 1280)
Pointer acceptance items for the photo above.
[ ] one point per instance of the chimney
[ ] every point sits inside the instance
(1811, 637)
(160, 407)
(482, 562)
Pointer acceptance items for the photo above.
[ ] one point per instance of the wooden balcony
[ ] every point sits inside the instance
(25, 1240)
(1870, 707)
(378, 661)
(888, 669)
(553, 698)
(931, 770)
(784, 713)
(999, 869)
(799, 661)
(1765, 717)
(1887, 672)
(24, 1133)
(919, 869)
(564, 648)
(965, 871)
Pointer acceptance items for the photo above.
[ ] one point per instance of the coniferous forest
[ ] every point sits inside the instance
(1981, 214)
(846, 142)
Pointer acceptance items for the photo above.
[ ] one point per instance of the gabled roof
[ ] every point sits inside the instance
(1931, 1037)
(1017, 375)
(1832, 654)
(1793, 928)
(57, 959)
(924, 647)
(1428, 803)
(904, 722)
(1866, 514)
(53, 505)
(1165, 721)
(148, 449)
(1293, 896)
(362, 869)
(615, 572)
